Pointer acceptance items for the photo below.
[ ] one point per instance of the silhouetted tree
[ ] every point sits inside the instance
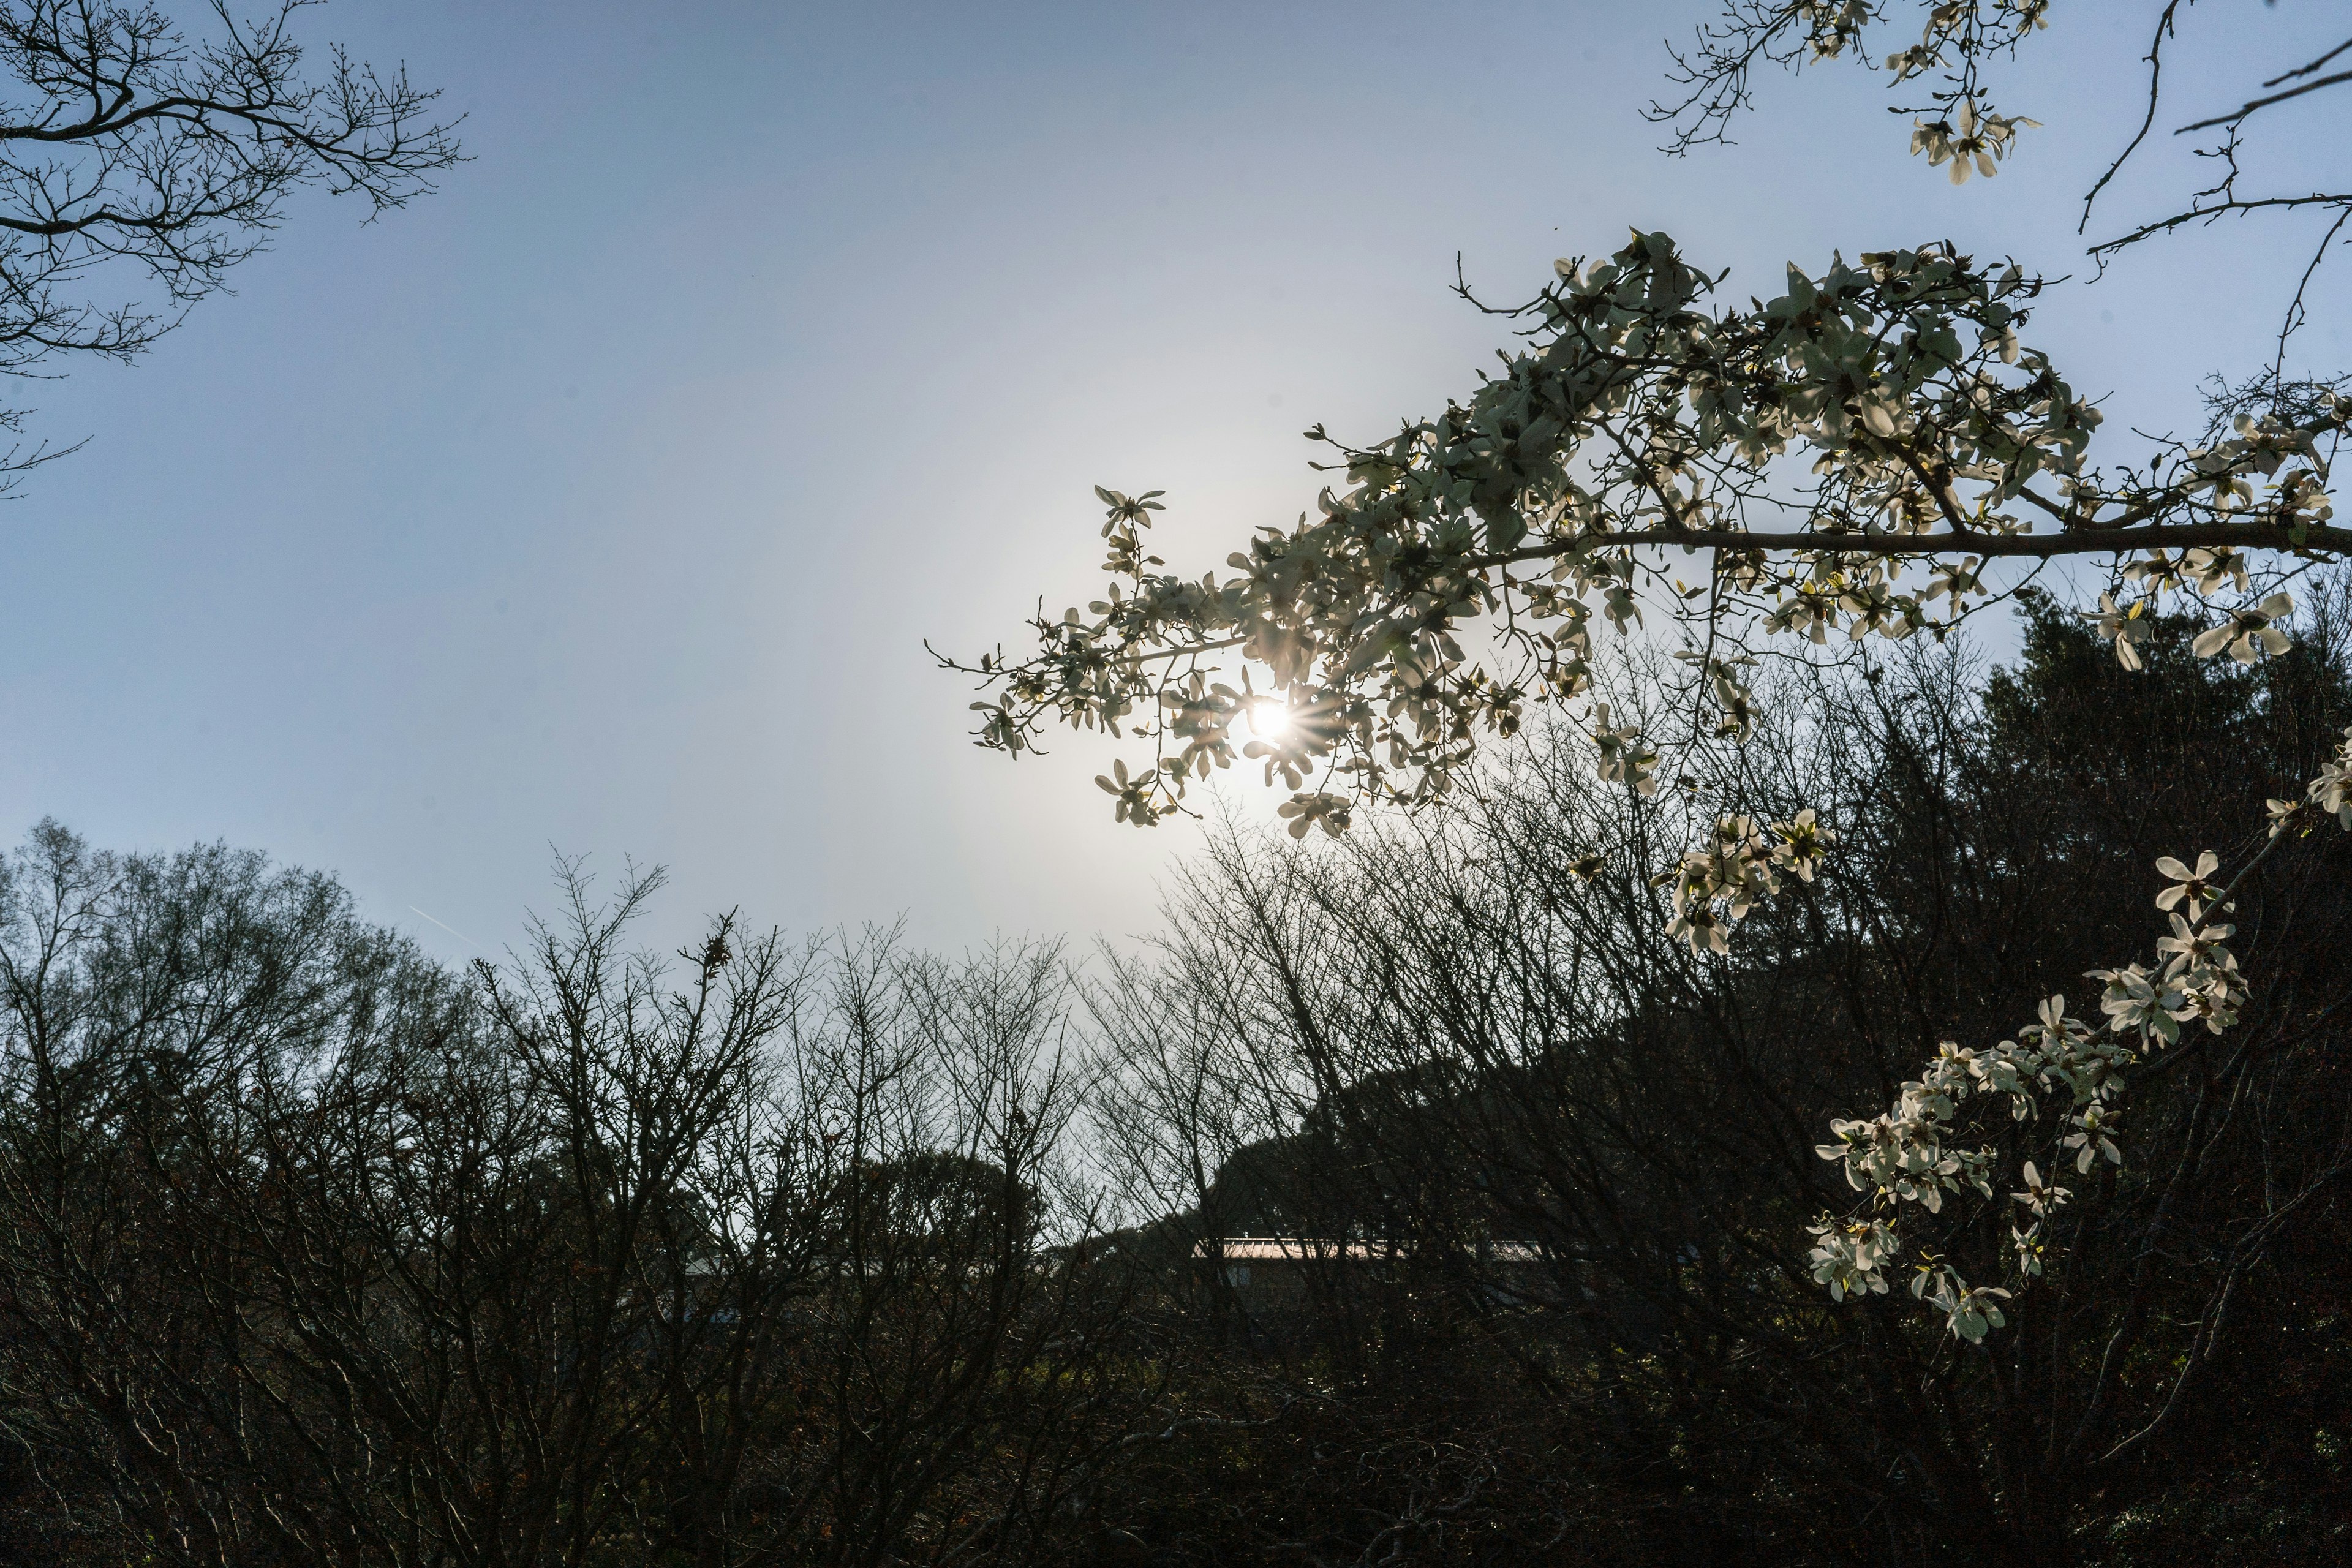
(1472, 1029)
(139, 163)
(311, 1251)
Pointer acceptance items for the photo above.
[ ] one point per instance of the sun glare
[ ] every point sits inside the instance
(1269, 721)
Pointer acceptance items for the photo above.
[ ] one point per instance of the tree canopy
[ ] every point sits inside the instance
(1874, 455)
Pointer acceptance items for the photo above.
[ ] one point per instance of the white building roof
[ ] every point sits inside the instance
(1296, 1250)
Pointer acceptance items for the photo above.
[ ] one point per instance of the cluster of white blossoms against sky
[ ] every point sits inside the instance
(1966, 137)
(1853, 459)
(1739, 869)
(1873, 454)
(1901, 1156)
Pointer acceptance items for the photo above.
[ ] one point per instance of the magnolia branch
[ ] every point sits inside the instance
(2313, 539)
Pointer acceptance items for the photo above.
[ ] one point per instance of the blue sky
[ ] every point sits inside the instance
(601, 502)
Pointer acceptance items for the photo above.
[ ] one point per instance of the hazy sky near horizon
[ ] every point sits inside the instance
(601, 503)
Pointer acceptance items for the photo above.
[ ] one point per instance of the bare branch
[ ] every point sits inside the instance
(2155, 58)
(2240, 113)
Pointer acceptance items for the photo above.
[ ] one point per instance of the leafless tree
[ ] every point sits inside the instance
(139, 163)
(316, 1252)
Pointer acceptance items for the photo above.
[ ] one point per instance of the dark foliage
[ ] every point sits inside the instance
(310, 1251)
(313, 1251)
(1453, 1039)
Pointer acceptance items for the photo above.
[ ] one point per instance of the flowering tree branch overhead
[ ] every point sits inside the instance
(1956, 38)
(1852, 460)
(1849, 460)
(1873, 453)
(1909, 1152)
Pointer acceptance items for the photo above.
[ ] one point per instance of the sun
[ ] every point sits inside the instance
(1269, 721)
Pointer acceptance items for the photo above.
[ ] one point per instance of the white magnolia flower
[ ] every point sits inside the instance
(2193, 948)
(1803, 842)
(2331, 791)
(1848, 1257)
(2005, 1069)
(1810, 615)
(2039, 1196)
(2090, 1136)
(2157, 572)
(2249, 634)
(1625, 756)
(1970, 141)
(1953, 580)
(2134, 1001)
(1620, 606)
(2207, 975)
(2214, 1005)
(1970, 1314)
(1738, 706)
(1305, 810)
(1830, 24)
(2197, 886)
(2027, 1244)
(1135, 795)
(2122, 628)
(1975, 1313)
(2054, 1029)
(2087, 1067)
(2207, 569)
(1873, 607)
(1702, 928)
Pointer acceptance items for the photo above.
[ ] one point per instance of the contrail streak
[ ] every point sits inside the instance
(453, 931)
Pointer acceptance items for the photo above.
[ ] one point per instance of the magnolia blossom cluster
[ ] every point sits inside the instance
(2198, 980)
(1645, 421)
(1904, 1154)
(2327, 795)
(1972, 143)
(1739, 867)
(2251, 631)
(1901, 1155)
(1957, 34)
